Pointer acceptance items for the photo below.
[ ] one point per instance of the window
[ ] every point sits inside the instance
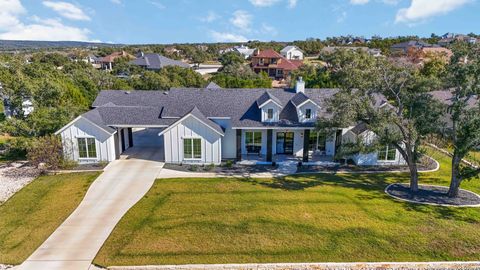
(308, 113)
(387, 153)
(192, 148)
(87, 148)
(317, 141)
(270, 113)
(253, 141)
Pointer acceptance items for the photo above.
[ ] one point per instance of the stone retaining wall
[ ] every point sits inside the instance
(311, 266)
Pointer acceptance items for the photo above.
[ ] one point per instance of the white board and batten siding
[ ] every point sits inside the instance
(190, 127)
(82, 128)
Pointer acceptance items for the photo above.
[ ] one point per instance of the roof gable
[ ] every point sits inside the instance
(199, 116)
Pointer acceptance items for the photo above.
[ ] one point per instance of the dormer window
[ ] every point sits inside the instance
(308, 113)
(270, 114)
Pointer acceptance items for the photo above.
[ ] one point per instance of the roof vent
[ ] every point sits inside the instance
(127, 92)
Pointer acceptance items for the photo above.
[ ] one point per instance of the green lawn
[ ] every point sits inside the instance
(311, 218)
(33, 213)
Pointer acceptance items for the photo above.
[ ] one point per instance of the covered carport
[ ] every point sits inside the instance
(143, 143)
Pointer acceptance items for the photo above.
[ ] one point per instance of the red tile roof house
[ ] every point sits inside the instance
(107, 62)
(274, 64)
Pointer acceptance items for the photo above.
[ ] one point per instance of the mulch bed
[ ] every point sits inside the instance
(424, 165)
(433, 195)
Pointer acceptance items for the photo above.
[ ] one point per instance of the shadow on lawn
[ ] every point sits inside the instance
(370, 182)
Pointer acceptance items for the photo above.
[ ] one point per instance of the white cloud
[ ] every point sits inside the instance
(118, 2)
(9, 13)
(263, 3)
(227, 37)
(210, 17)
(67, 10)
(47, 29)
(359, 2)
(158, 5)
(423, 9)
(12, 26)
(292, 3)
(341, 17)
(268, 30)
(242, 20)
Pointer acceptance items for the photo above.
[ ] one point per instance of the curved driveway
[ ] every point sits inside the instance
(76, 242)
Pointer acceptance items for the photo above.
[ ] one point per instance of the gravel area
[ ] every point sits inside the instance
(436, 195)
(13, 177)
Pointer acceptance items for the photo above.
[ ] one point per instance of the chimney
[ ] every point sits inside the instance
(300, 85)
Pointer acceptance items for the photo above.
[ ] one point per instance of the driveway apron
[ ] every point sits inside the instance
(75, 243)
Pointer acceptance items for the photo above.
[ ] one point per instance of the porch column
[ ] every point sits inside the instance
(239, 144)
(269, 145)
(306, 144)
(130, 137)
(117, 144)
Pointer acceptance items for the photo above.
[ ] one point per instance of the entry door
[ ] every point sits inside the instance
(285, 143)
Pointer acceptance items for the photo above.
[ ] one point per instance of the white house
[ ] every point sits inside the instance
(292, 53)
(208, 125)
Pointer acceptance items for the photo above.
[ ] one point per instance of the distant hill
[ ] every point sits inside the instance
(11, 45)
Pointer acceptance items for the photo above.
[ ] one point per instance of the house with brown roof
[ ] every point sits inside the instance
(274, 64)
(107, 62)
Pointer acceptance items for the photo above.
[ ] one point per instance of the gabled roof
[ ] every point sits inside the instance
(268, 53)
(156, 61)
(196, 113)
(213, 85)
(359, 128)
(299, 99)
(266, 97)
(290, 47)
(111, 57)
(239, 105)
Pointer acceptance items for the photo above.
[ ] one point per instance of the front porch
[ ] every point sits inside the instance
(314, 160)
(279, 145)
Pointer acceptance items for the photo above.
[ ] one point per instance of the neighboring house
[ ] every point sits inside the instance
(108, 62)
(292, 53)
(206, 126)
(406, 47)
(449, 38)
(274, 64)
(245, 51)
(154, 61)
(372, 51)
(27, 107)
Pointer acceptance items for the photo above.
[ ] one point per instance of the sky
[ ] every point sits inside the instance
(192, 21)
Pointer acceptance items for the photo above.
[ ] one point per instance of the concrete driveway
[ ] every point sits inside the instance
(78, 239)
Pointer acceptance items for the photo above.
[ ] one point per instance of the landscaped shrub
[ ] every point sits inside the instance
(15, 148)
(209, 167)
(46, 151)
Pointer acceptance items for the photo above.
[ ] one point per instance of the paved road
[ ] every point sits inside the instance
(76, 242)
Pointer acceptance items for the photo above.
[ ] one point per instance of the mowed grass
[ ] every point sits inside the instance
(32, 214)
(309, 218)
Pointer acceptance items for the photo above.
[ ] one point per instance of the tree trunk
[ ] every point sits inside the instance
(455, 178)
(413, 177)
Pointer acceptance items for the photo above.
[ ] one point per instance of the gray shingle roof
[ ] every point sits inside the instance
(156, 61)
(266, 96)
(299, 98)
(240, 105)
(198, 114)
(213, 85)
